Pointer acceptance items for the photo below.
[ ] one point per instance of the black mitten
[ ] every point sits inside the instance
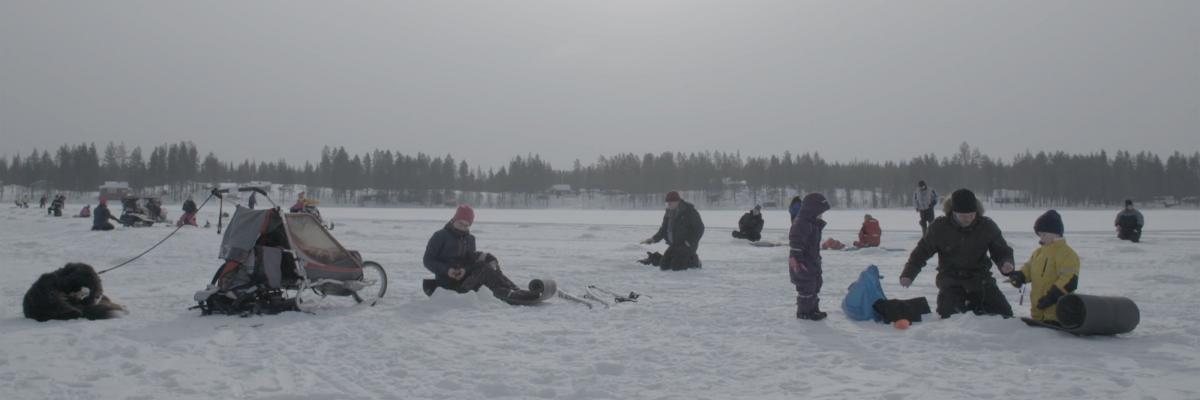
(1016, 278)
(1051, 298)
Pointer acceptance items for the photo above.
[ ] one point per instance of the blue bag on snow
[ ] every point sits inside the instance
(862, 295)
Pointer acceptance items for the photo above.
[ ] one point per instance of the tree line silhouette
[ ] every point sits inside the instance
(1060, 178)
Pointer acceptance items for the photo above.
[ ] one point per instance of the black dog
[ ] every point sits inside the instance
(71, 292)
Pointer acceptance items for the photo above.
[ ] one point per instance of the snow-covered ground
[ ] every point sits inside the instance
(726, 331)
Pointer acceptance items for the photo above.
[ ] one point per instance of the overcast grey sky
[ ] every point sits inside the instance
(487, 80)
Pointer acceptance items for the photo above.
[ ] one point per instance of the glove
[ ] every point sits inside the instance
(1050, 299)
(647, 241)
(1017, 279)
(906, 282)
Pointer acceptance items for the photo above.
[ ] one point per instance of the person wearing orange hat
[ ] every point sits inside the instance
(682, 228)
(456, 265)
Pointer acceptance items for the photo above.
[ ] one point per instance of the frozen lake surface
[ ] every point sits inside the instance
(725, 331)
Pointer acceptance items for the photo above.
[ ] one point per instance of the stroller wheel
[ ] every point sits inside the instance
(375, 279)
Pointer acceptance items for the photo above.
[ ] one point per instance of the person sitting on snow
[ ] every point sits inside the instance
(1053, 269)
(300, 203)
(750, 226)
(85, 212)
(1129, 223)
(870, 233)
(101, 215)
(682, 228)
(56, 206)
(451, 257)
(189, 213)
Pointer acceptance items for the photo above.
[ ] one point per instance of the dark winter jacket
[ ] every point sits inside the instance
(101, 215)
(962, 250)
(750, 223)
(1131, 219)
(681, 225)
(805, 235)
(448, 248)
(189, 206)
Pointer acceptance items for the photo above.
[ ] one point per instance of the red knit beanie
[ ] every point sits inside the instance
(673, 196)
(464, 213)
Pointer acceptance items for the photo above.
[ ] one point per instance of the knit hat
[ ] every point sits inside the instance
(1128, 202)
(963, 201)
(673, 196)
(758, 207)
(921, 183)
(464, 213)
(1050, 222)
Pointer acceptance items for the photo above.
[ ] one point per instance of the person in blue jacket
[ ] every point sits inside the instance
(101, 215)
(456, 265)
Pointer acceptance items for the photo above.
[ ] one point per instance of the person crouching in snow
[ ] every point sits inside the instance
(1053, 269)
(870, 233)
(804, 259)
(682, 228)
(963, 239)
(750, 225)
(451, 257)
(101, 216)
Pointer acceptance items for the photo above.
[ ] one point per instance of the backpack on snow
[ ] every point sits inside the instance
(862, 295)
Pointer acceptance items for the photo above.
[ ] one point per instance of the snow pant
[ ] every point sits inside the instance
(1133, 234)
(751, 236)
(975, 291)
(485, 274)
(105, 226)
(926, 219)
(807, 278)
(679, 257)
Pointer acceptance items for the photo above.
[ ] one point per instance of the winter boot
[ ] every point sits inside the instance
(811, 316)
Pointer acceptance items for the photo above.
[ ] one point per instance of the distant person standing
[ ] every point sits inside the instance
(682, 228)
(42, 202)
(925, 200)
(1129, 223)
(253, 200)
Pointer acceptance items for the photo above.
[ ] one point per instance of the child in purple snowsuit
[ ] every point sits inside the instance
(804, 259)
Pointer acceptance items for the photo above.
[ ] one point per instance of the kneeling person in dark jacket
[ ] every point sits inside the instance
(963, 239)
(451, 257)
(682, 229)
(751, 225)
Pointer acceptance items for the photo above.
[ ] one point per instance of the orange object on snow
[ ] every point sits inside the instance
(902, 324)
(832, 244)
(869, 234)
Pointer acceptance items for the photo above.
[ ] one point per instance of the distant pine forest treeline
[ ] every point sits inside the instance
(1057, 178)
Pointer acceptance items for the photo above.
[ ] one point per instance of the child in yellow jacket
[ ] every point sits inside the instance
(1053, 269)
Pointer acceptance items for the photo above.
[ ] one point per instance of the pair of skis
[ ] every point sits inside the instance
(590, 299)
